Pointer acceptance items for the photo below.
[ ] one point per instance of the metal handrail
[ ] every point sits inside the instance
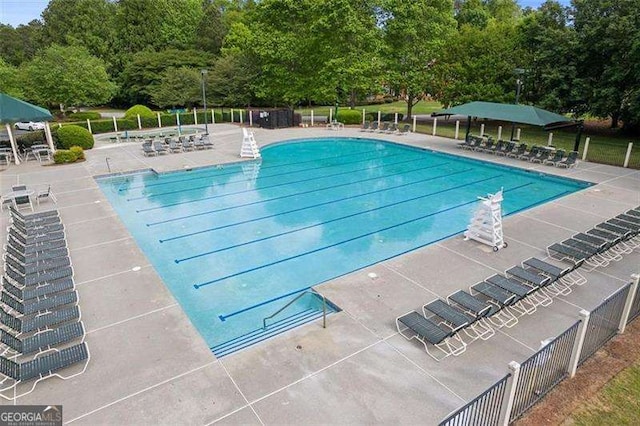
(311, 291)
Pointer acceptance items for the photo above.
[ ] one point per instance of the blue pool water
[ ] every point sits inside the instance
(234, 243)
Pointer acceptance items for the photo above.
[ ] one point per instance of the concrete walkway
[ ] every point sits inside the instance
(150, 366)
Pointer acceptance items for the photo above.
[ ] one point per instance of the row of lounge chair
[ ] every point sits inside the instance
(446, 327)
(40, 328)
(537, 154)
(387, 127)
(170, 145)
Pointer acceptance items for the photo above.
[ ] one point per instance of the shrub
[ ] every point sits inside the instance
(100, 126)
(78, 151)
(31, 138)
(138, 109)
(349, 116)
(62, 156)
(84, 115)
(71, 135)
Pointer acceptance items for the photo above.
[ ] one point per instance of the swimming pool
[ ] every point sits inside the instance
(234, 243)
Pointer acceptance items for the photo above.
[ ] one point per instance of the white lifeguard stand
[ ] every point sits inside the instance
(486, 224)
(249, 147)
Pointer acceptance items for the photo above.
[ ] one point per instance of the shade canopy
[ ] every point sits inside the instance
(526, 114)
(13, 110)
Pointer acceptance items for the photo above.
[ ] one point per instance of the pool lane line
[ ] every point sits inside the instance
(311, 206)
(204, 284)
(239, 166)
(291, 195)
(298, 193)
(194, 188)
(337, 219)
(257, 305)
(543, 201)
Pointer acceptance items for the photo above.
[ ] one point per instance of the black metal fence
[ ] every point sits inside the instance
(543, 371)
(604, 322)
(484, 410)
(635, 307)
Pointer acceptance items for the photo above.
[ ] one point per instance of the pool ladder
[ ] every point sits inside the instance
(311, 291)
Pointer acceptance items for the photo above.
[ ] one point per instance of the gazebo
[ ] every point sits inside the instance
(13, 110)
(514, 113)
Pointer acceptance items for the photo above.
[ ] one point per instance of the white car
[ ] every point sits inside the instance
(29, 125)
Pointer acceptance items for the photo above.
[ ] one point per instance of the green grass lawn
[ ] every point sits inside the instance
(618, 403)
(422, 107)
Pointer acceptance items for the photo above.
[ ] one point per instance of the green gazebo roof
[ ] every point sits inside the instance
(13, 110)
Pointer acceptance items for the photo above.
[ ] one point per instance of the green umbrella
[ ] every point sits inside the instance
(13, 110)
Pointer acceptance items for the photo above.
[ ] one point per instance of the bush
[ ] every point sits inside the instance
(78, 151)
(71, 135)
(62, 156)
(142, 110)
(349, 116)
(25, 140)
(84, 115)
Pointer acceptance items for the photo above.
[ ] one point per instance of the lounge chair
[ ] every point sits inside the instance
(525, 303)
(482, 310)
(498, 147)
(42, 278)
(174, 146)
(500, 298)
(49, 216)
(541, 156)
(595, 254)
(405, 129)
(466, 144)
(539, 282)
(159, 148)
(26, 293)
(607, 248)
(457, 319)
(11, 251)
(557, 157)
(36, 239)
(198, 144)
(365, 126)
(148, 150)
(393, 128)
(428, 333)
(568, 275)
(39, 305)
(206, 141)
(373, 127)
(42, 367)
(531, 154)
(28, 250)
(384, 128)
(187, 145)
(508, 149)
(570, 161)
(38, 267)
(29, 323)
(44, 340)
(37, 229)
(569, 254)
(519, 151)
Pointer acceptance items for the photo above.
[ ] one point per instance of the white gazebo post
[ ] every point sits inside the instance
(13, 144)
(47, 134)
(435, 126)
(159, 121)
(457, 129)
(550, 139)
(499, 132)
(518, 131)
(482, 130)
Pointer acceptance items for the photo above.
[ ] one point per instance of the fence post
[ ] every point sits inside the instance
(509, 394)
(89, 126)
(482, 129)
(159, 120)
(311, 118)
(629, 302)
(414, 123)
(550, 140)
(499, 132)
(395, 118)
(577, 344)
(240, 113)
(585, 149)
(363, 115)
(251, 118)
(232, 115)
(330, 115)
(435, 126)
(195, 116)
(455, 136)
(178, 123)
(115, 124)
(518, 133)
(139, 123)
(379, 117)
(628, 156)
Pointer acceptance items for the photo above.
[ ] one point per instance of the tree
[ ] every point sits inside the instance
(550, 51)
(231, 81)
(414, 32)
(9, 80)
(608, 33)
(67, 76)
(86, 23)
(176, 87)
(20, 44)
(211, 30)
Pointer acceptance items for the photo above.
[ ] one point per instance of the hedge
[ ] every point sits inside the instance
(62, 156)
(141, 110)
(349, 116)
(69, 136)
(78, 151)
(84, 115)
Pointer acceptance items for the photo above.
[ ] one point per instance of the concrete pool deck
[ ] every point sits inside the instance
(150, 366)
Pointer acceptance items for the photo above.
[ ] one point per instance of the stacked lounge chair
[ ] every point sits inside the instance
(446, 327)
(41, 333)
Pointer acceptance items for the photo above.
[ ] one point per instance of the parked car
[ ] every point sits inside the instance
(29, 125)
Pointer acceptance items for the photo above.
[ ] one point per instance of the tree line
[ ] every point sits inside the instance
(583, 59)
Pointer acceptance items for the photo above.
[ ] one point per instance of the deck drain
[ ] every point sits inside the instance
(299, 347)
(372, 275)
(136, 268)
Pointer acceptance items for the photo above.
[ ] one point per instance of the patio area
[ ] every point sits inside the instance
(150, 366)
